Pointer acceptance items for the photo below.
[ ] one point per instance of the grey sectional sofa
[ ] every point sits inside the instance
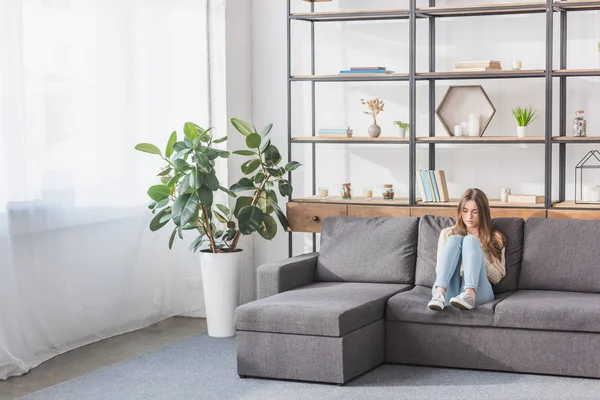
(362, 301)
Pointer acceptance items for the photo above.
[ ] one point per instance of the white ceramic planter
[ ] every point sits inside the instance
(221, 283)
(521, 131)
(401, 132)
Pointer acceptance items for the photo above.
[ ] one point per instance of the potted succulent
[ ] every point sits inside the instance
(402, 126)
(524, 117)
(186, 196)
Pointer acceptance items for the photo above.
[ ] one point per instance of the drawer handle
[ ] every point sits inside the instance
(315, 218)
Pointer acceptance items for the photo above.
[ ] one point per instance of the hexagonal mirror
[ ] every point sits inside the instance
(461, 101)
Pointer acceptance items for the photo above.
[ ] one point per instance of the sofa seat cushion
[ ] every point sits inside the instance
(411, 306)
(320, 309)
(550, 310)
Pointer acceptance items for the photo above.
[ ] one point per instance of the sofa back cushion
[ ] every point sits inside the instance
(355, 249)
(561, 254)
(430, 227)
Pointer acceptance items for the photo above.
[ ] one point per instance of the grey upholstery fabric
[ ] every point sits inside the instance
(500, 349)
(411, 306)
(355, 249)
(273, 278)
(320, 309)
(430, 227)
(549, 310)
(561, 254)
(311, 358)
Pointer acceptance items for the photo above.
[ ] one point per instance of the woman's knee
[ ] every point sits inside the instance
(454, 240)
(471, 240)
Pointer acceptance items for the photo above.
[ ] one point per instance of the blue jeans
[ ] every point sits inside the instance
(469, 251)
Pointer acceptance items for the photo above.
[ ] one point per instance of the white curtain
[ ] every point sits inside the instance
(81, 82)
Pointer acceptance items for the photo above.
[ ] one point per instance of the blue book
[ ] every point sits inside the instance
(425, 178)
(434, 184)
(343, 131)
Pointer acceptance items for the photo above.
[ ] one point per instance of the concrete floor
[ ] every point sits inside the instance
(101, 354)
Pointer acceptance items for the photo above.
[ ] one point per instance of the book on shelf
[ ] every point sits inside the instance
(367, 68)
(432, 186)
(477, 69)
(525, 198)
(334, 132)
(478, 64)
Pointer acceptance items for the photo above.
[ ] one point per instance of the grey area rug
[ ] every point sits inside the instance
(202, 367)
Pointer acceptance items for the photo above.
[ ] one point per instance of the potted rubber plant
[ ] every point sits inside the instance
(524, 117)
(186, 197)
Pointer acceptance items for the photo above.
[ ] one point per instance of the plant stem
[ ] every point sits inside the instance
(213, 247)
(236, 238)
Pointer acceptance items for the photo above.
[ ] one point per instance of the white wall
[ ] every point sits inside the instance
(344, 44)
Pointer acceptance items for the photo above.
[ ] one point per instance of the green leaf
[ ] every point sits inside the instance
(243, 185)
(211, 154)
(242, 127)
(263, 204)
(229, 235)
(274, 172)
(269, 185)
(196, 243)
(190, 131)
(250, 166)
(218, 234)
(221, 218)
(151, 205)
(148, 148)
(241, 202)
(181, 153)
(158, 192)
(272, 155)
(268, 228)
(266, 131)
(229, 192)
(253, 140)
(179, 146)
(285, 188)
(184, 185)
(223, 209)
(184, 208)
(167, 217)
(202, 160)
(181, 165)
(158, 221)
(292, 165)
(222, 153)
(280, 216)
(196, 179)
(206, 197)
(180, 232)
(188, 143)
(165, 172)
(250, 218)
(189, 226)
(170, 144)
(244, 153)
(267, 144)
(212, 182)
(258, 178)
(220, 140)
(165, 180)
(172, 238)
(161, 203)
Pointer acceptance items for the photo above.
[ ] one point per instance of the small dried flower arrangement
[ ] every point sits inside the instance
(375, 107)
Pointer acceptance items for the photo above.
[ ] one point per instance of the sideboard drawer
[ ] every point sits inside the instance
(308, 217)
(377, 211)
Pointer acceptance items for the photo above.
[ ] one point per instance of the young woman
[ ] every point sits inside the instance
(470, 255)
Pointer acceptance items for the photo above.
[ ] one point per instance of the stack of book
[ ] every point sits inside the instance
(365, 70)
(477, 66)
(334, 132)
(432, 185)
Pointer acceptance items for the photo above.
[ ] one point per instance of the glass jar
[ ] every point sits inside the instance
(579, 124)
(388, 192)
(346, 191)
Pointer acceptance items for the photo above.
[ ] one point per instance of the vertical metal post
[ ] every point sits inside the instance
(412, 104)
(548, 106)
(562, 147)
(289, 106)
(313, 113)
(432, 87)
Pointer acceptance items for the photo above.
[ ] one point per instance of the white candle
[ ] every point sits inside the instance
(586, 194)
(595, 194)
(323, 191)
(473, 124)
(457, 130)
(517, 64)
(464, 128)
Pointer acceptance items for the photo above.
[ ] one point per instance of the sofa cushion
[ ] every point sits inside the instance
(320, 309)
(561, 254)
(429, 233)
(355, 249)
(411, 306)
(550, 310)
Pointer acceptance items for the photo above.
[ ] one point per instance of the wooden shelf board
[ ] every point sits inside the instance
(352, 14)
(566, 71)
(349, 139)
(355, 200)
(346, 76)
(484, 8)
(458, 139)
(575, 139)
(494, 203)
(571, 204)
(506, 72)
(578, 5)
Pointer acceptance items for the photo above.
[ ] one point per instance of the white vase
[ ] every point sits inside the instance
(401, 132)
(473, 125)
(521, 131)
(221, 284)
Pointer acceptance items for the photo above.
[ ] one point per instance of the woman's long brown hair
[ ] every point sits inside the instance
(492, 240)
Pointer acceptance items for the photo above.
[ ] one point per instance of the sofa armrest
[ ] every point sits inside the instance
(277, 277)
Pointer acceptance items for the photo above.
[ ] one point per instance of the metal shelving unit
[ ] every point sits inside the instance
(431, 13)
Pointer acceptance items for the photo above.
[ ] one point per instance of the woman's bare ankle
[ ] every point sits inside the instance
(471, 292)
(441, 290)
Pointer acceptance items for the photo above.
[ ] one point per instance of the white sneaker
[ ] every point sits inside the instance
(463, 301)
(437, 302)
